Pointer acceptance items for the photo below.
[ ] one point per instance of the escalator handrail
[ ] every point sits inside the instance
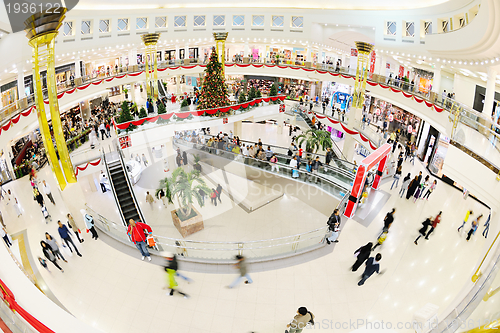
(334, 169)
(130, 187)
(115, 196)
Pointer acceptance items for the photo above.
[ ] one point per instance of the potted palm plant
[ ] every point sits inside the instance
(125, 91)
(314, 140)
(197, 165)
(185, 187)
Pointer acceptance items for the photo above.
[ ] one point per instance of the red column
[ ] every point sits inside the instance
(380, 172)
(356, 191)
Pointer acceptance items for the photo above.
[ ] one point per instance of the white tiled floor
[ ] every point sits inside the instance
(119, 293)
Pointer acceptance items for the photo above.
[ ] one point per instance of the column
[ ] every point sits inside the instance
(186, 53)
(308, 54)
(320, 55)
(177, 84)
(177, 52)
(78, 70)
(436, 81)
(132, 59)
(246, 50)
(237, 128)
(20, 81)
(490, 92)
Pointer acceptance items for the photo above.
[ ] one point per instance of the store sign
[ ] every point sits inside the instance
(387, 65)
(401, 71)
(373, 58)
(354, 52)
(282, 107)
(125, 142)
(391, 117)
(224, 120)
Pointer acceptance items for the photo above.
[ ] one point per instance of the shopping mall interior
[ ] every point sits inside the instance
(260, 166)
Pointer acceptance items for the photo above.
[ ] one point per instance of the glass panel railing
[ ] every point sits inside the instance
(206, 250)
(329, 183)
(14, 321)
(338, 169)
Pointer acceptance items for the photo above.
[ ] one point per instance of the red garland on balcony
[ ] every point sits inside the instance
(213, 91)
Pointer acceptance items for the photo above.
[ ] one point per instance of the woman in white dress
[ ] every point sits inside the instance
(17, 207)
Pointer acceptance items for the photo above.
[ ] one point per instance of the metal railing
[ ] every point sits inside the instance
(14, 321)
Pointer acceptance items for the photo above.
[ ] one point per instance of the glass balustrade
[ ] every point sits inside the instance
(225, 251)
(328, 183)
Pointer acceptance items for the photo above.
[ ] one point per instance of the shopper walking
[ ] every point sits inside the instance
(54, 246)
(421, 188)
(3, 234)
(75, 228)
(49, 254)
(171, 268)
(328, 156)
(184, 157)
(65, 235)
(435, 222)
(388, 220)
(361, 254)
(334, 227)
(144, 160)
(213, 197)
(103, 180)
(172, 259)
(430, 190)
(149, 199)
(412, 187)
(380, 240)
(218, 191)
(487, 227)
(372, 266)
(469, 213)
(396, 177)
(423, 230)
(405, 185)
(474, 226)
(241, 265)
(47, 191)
(300, 321)
(137, 232)
(89, 224)
(38, 197)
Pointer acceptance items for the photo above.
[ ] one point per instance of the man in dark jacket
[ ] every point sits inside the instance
(329, 155)
(372, 266)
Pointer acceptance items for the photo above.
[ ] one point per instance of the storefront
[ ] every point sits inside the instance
(432, 149)
(395, 118)
(336, 95)
(423, 80)
(9, 93)
(294, 88)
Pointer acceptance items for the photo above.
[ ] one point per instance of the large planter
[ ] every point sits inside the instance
(188, 227)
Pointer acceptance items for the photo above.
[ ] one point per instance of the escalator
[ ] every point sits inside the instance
(337, 153)
(161, 90)
(122, 188)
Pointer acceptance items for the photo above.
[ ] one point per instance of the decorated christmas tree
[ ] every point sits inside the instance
(142, 113)
(242, 98)
(125, 116)
(213, 91)
(252, 94)
(273, 91)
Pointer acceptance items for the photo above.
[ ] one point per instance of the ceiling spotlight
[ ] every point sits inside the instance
(437, 59)
(325, 24)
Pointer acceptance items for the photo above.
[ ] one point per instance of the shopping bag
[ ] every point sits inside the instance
(151, 241)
